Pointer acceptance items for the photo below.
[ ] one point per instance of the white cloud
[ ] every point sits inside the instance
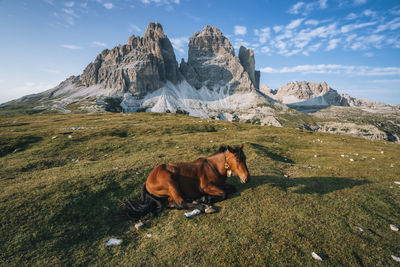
(161, 2)
(312, 22)
(134, 28)
(277, 28)
(265, 49)
(72, 47)
(70, 12)
(305, 9)
(369, 13)
(179, 43)
(351, 16)
(369, 54)
(98, 44)
(295, 9)
(332, 44)
(352, 27)
(391, 25)
(263, 34)
(336, 69)
(69, 4)
(240, 42)
(385, 81)
(108, 5)
(83, 5)
(240, 30)
(294, 24)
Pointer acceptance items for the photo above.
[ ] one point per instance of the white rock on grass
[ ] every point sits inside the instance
(192, 213)
(394, 228)
(360, 229)
(315, 156)
(113, 242)
(396, 258)
(351, 160)
(69, 136)
(54, 137)
(139, 225)
(316, 256)
(148, 235)
(342, 156)
(396, 182)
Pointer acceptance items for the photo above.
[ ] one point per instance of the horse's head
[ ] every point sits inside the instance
(237, 162)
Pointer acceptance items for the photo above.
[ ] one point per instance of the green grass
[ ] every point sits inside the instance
(57, 212)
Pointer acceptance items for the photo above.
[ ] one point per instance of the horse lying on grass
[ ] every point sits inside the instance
(176, 185)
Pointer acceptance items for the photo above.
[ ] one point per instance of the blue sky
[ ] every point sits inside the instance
(353, 45)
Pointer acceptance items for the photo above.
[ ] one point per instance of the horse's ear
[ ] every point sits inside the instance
(231, 149)
(241, 146)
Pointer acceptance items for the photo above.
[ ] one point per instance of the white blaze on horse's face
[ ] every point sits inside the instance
(237, 162)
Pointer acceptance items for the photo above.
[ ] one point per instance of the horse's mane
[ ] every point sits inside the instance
(222, 149)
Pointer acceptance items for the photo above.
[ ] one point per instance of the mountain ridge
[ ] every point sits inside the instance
(144, 75)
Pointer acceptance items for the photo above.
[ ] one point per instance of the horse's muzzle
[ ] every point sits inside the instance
(245, 179)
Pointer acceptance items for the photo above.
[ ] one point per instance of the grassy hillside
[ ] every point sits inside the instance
(60, 186)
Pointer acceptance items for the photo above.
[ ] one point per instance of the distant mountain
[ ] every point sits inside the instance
(308, 94)
(143, 75)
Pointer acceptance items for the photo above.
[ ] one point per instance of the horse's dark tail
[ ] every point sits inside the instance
(149, 205)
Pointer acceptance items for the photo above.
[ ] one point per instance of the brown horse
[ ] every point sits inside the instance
(181, 183)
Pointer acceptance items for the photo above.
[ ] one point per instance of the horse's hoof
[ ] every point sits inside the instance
(209, 209)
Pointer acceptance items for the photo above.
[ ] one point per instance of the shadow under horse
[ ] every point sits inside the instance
(178, 185)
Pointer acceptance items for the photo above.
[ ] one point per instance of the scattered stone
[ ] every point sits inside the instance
(360, 229)
(139, 225)
(17, 150)
(342, 156)
(113, 242)
(73, 160)
(351, 160)
(137, 173)
(373, 158)
(148, 235)
(115, 168)
(106, 208)
(77, 160)
(316, 256)
(391, 165)
(69, 136)
(211, 141)
(192, 213)
(315, 156)
(54, 137)
(382, 152)
(397, 182)
(286, 176)
(396, 258)
(394, 228)
(209, 210)
(177, 147)
(356, 154)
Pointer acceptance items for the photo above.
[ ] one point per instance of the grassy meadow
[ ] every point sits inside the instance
(61, 177)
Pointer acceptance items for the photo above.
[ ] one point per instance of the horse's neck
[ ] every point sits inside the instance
(218, 162)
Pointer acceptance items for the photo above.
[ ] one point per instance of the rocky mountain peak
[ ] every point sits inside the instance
(141, 66)
(212, 63)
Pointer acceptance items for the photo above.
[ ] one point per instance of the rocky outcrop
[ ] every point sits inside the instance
(309, 94)
(212, 63)
(141, 66)
(246, 57)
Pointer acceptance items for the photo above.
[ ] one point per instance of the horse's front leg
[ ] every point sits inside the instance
(214, 193)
